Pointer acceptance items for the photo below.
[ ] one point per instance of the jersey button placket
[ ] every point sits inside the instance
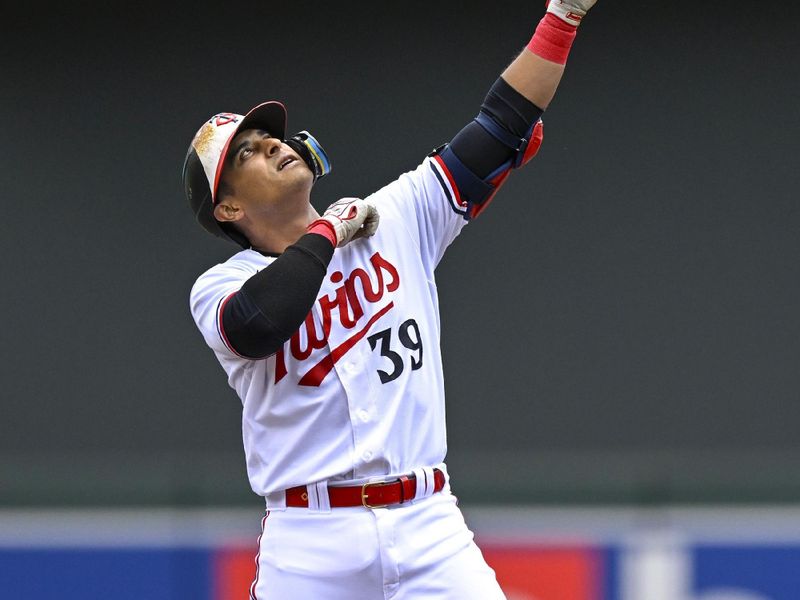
(351, 374)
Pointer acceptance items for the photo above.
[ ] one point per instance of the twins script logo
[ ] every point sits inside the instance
(348, 304)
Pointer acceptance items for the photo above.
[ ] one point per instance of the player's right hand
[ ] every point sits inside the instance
(351, 218)
(571, 11)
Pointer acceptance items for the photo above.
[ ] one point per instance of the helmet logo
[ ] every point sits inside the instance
(223, 119)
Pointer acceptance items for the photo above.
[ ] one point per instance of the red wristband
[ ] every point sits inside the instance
(323, 228)
(552, 39)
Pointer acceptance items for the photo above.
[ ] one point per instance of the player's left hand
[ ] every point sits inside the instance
(351, 218)
(571, 11)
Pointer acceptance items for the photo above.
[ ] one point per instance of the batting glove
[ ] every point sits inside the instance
(571, 11)
(350, 219)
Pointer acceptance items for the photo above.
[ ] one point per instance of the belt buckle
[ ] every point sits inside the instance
(365, 495)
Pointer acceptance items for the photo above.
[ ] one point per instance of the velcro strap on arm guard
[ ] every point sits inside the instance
(524, 148)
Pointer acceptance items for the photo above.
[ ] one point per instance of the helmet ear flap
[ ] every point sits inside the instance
(310, 150)
(198, 193)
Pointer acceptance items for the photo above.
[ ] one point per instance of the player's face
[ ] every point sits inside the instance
(261, 170)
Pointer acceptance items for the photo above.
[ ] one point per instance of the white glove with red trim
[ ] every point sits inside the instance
(350, 219)
(571, 11)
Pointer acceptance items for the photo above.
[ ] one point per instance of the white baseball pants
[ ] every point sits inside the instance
(414, 551)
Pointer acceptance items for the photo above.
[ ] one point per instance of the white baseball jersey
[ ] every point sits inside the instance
(358, 390)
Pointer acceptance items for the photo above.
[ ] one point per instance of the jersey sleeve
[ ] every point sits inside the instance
(429, 206)
(208, 297)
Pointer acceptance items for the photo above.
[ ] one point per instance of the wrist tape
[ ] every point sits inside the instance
(553, 39)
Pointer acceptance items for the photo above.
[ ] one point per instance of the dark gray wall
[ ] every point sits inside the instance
(621, 325)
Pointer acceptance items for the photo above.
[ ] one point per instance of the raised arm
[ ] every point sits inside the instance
(537, 71)
(507, 132)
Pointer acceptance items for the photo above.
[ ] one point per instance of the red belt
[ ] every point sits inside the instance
(370, 495)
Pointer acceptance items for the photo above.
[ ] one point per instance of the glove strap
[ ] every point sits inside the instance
(325, 229)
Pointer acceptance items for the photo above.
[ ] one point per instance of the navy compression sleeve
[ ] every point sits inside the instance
(274, 302)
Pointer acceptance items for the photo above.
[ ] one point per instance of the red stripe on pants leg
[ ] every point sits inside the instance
(258, 557)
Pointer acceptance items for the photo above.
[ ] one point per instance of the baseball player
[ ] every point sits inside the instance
(328, 329)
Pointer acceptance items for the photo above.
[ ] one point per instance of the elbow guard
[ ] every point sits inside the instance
(505, 135)
(476, 192)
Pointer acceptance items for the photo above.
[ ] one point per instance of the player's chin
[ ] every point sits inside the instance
(299, 176)
(292, 186)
